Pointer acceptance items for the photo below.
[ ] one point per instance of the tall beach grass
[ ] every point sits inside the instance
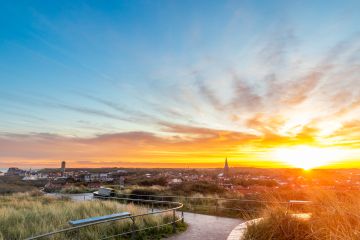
(334, 216)
(28, 214)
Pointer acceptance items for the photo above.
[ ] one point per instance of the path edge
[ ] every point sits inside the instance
(239, 231)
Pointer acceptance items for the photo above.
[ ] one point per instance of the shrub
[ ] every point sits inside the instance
(76, 189)
(187, 188)
(161, 181)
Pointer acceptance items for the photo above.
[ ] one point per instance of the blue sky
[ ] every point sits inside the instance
(82, 69)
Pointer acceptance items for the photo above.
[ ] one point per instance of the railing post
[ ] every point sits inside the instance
(216, 205)
(133, 228)
(174, 221)
(288, 207)
(182, 215)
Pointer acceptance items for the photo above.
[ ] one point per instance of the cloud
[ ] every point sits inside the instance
(179, 144)
(299, 91)
(209, 95)
(277, 47)
(245, 96)
(139, 115)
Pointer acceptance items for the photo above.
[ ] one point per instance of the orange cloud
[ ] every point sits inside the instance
(179, 146)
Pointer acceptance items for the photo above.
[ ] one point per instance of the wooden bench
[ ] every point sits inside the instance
(99, 219)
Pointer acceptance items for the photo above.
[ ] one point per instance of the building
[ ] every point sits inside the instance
(96, 177)
(30, 177)
(175, 181)
(226, 169)
(63, 165)
(13, 171)
(122, 182)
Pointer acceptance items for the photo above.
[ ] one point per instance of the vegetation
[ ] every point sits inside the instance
(160, 181)
(77, 189)
(182, 189)
(14, 184)
(251, 182)
(201, 187)
(333, 216)
(27, 214)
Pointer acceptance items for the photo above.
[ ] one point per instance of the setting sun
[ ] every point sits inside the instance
(307, 157)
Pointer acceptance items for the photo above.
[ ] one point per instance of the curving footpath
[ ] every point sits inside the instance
(206, 227)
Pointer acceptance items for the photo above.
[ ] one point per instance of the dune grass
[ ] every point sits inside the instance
(334, 216)
(77, 189)
(27, 214)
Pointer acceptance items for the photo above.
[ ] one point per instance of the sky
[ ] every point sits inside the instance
(179, 83)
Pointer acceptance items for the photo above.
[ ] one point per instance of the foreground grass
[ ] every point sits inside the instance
(334, 216)
(28, 214)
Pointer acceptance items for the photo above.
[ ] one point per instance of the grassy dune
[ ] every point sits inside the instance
(27, 214)
(14, 184)
(334, 216)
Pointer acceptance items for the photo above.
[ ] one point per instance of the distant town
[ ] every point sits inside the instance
(233, 180)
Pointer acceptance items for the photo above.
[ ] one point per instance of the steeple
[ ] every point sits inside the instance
(226, 168)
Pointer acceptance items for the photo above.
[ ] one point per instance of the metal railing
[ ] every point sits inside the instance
(149, 196)
(217, 202)
(173, 207)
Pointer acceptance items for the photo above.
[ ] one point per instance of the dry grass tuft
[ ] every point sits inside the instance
(334, 216)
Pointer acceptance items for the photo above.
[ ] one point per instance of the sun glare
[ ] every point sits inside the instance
(307, 157)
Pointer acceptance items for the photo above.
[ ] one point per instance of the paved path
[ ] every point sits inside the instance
(204, 227)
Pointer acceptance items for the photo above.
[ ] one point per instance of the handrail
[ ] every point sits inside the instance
(132, 217)
(221, 199)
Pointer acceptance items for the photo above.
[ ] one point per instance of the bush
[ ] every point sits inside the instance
(187, 188)
(161, 181)
(252, 182)
(76, 189)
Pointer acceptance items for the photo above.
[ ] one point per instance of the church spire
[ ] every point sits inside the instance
(226, 168)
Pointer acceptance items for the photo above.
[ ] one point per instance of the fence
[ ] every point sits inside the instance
(173, 207)
(196, 204)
